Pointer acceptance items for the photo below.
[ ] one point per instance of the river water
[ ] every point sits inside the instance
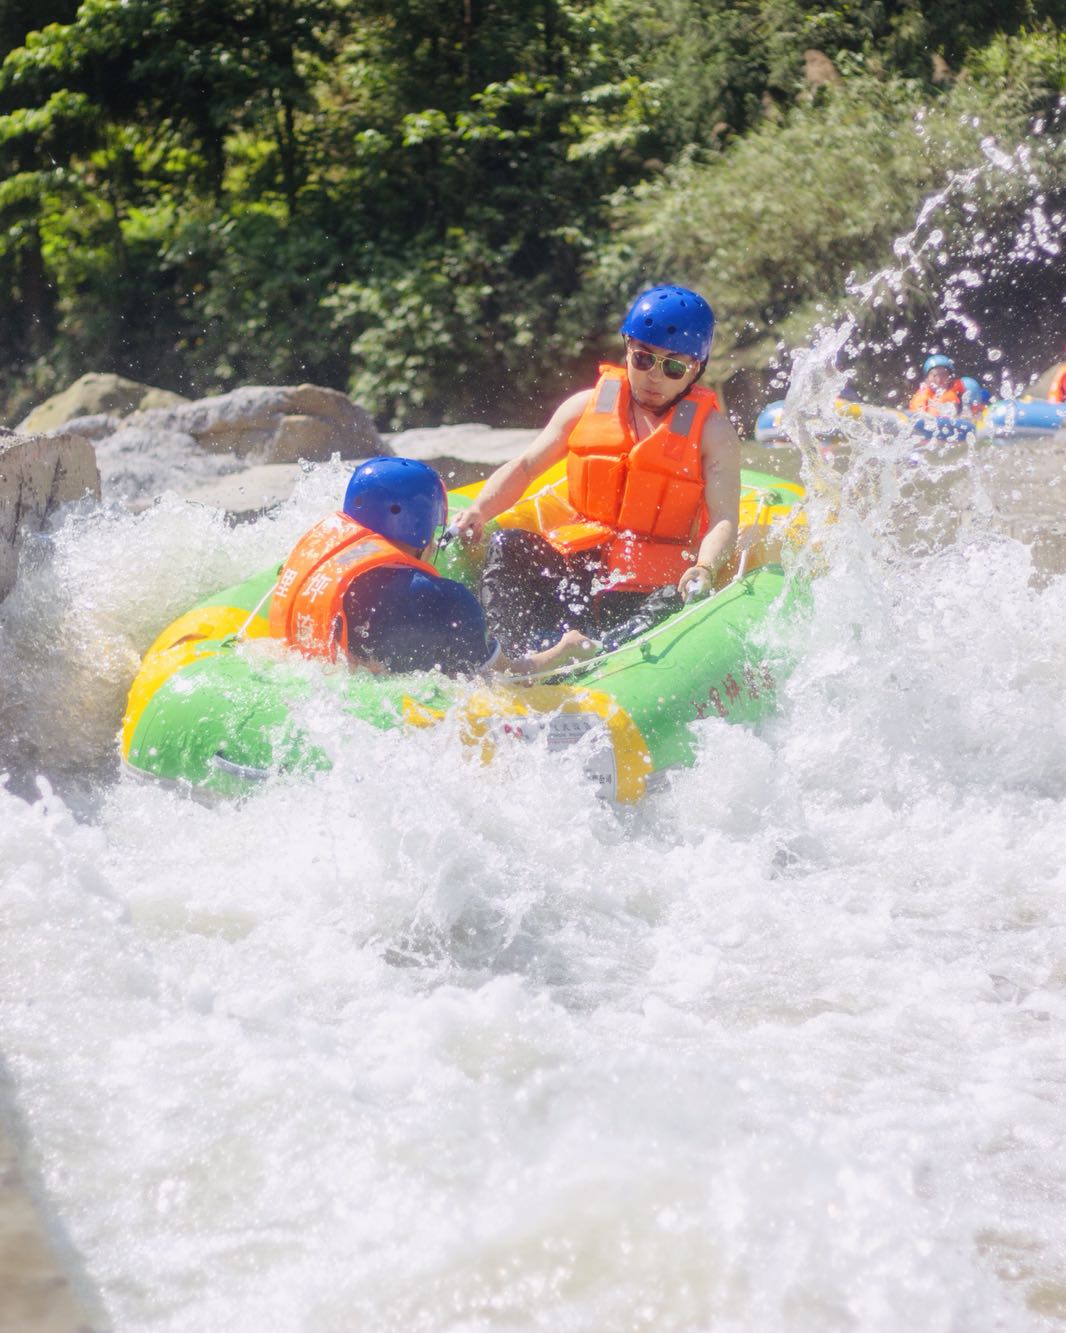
(421, 1045)
(427, 1046)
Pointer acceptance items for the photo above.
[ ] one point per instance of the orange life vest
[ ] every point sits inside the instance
(307, 609)
(928, 398)
(1057, 392)
(642, 501)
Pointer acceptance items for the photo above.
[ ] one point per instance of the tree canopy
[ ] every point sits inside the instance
(443, 206)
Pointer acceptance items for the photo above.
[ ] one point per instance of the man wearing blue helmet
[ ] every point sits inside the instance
(653, 490)
(358, 584)
(1057, 388)
(940, 393)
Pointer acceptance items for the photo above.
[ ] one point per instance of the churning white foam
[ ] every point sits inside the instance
(423, 1045)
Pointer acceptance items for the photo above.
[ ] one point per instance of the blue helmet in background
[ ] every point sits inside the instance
(400, 498)
(931, 363)
(673, 318)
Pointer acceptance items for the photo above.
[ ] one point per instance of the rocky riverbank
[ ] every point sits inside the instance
(120, 442)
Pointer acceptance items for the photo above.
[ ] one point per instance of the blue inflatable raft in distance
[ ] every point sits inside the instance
(1004, 421)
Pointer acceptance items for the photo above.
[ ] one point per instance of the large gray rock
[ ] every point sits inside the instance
(137, 464)
(37, 475)
(273, 424)
(461, 454)
(93, 395)
(470, 442)
(250, 492)
(185, 447)
(182, 446)
(35, 1293)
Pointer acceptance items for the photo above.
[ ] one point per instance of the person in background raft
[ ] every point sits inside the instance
(1057, 388)
(940, 393)
(358, 585)
(975, 397)
(653, 491)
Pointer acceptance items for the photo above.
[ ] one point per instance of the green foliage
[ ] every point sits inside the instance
(777, 226)
(720, 66)
(480, 225)
(444, 207)
(18, 18)
(249, 288)
(453, 332)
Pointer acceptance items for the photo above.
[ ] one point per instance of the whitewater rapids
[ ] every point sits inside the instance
(420, 1045)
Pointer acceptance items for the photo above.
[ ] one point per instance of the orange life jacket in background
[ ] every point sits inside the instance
(928, 398)
(1057, 392)
(642, 501)
(307, 609)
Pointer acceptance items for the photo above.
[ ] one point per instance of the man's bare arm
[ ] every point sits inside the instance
(507, 484)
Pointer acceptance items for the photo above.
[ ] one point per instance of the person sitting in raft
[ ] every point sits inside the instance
(1057, 388)
(940, 394)
(358, 585)
(975, 397)
(653, 491)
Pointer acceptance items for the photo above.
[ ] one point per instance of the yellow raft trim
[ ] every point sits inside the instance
(632, 758)
(485, 709)
(175, 648)
(210, 622)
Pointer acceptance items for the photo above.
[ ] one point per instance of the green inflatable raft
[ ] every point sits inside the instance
(214, 707)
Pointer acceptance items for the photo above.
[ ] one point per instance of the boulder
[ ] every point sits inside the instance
(94, 395)
(37, 475)
(189, 444)
(137, 465)
(246, 494)
(461, 454)
(273, 424)
(470, 442)
(36, 1295)
(97, 427)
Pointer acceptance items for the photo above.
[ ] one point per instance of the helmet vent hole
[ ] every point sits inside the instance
(395, 508)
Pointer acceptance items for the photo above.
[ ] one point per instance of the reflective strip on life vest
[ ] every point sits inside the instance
(607, 395)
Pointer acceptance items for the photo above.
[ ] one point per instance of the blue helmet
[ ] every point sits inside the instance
(400, 498)
(931, 363)
(673, 318)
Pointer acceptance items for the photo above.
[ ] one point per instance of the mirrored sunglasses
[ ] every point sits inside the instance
(672, 368)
